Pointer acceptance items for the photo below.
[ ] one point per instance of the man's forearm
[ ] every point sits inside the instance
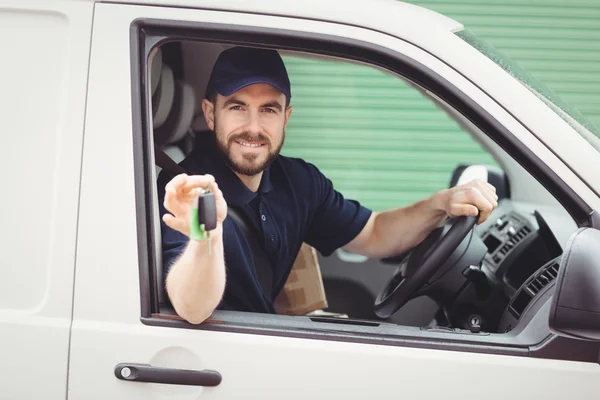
(399, 230)
(393, 232)
(196, 281)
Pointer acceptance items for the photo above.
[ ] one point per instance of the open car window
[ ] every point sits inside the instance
(385, 144)
(379, 139)
(376, 137)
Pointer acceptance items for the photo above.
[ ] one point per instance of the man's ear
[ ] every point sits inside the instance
(288, 113)
(208, 109)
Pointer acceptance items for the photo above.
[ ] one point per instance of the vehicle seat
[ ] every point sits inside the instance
(168, 136)
(173, 106)
(155, 70)
(162, 99)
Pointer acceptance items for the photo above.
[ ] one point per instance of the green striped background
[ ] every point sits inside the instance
(382, 143)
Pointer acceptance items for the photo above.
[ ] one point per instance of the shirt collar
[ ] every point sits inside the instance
(209, 160)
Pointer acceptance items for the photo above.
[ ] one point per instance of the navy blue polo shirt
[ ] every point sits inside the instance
(295, 203)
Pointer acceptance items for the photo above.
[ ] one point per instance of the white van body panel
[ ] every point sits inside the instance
(43, 73)
(106, 323)
(404, 18)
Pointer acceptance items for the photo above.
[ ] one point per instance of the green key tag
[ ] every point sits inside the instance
(204, 216)
(197, 231)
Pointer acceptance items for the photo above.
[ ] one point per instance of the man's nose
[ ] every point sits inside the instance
(253, 125)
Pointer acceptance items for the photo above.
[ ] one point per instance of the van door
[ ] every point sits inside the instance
(123, 347)
(43, 70)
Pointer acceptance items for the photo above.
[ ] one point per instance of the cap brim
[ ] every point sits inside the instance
(232, 87)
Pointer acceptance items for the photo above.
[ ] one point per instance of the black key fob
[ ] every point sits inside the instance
(207, 211)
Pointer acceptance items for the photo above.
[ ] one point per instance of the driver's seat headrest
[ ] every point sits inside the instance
(180, 117)
(163, 97)
(155, 70)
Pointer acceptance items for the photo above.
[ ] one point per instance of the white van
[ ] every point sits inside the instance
(88, 88)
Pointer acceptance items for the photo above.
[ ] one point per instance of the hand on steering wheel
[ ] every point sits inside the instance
(439, 251)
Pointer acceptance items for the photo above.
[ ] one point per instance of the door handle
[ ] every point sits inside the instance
(171, 376)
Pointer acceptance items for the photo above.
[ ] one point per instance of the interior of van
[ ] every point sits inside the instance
(500, 274)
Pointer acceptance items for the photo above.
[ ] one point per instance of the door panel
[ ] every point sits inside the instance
(45, 48)
(107, 330)
(262, 367)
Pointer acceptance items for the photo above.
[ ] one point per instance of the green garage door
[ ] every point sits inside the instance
(382, 143)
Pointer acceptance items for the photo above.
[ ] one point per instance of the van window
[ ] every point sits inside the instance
(379, 140)
(362, 128)
(32, 97)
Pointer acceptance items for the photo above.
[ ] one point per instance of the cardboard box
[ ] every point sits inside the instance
(303, 292)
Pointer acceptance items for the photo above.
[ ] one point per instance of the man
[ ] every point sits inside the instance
(287, 200)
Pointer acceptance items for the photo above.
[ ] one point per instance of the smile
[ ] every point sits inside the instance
(249, 144)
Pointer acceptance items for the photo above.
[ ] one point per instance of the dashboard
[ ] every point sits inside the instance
(524, 245)
(520, 239)
(517, 245)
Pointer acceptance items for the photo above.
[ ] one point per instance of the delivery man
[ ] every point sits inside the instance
(287, 200)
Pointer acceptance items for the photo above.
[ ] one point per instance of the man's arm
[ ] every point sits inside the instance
(393, 232)
(196, 281)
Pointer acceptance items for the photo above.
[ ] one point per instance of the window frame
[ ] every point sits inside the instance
(145, 34)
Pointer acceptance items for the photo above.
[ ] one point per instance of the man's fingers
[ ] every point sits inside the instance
(488, 193)
(176, 182)
(198, 181)
(491, 187)
(463, 209)
(475, 200)
(174, 223)
(486, 189)
(169, 200)
(185, 183)
(472, 198)
(215, 189)
(492, 190)
(182, 192)
(480, 201)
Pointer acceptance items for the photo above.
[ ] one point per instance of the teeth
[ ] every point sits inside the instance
(246, 144)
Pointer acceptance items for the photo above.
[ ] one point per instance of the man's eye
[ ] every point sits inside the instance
(237, 108)
(269, 110)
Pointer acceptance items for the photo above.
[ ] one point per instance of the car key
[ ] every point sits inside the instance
(204, 216)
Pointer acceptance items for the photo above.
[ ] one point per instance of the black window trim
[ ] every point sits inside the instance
(145, 34)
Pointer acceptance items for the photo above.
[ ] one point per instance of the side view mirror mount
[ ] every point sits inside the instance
(575, 307)
(495, 176)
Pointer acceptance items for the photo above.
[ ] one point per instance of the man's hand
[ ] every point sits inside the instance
(180, 197)
(393, 232)
(469, 199)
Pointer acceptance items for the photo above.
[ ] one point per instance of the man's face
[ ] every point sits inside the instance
(249, 126)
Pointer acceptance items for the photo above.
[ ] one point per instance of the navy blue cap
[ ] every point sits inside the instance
(239, 67)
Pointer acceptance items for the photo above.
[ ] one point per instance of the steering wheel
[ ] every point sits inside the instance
(438, 252)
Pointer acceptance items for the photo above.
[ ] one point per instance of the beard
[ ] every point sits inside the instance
(251, 164)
